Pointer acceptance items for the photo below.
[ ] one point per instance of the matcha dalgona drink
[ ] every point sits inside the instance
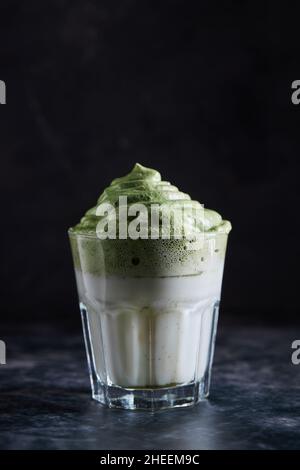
(149, 292)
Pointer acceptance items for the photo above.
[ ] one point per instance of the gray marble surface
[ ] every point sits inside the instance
(45, 398)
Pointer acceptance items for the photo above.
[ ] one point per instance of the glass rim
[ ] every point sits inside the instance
(206, 235)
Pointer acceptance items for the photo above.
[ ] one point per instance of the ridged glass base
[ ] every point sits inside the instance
(103, 367)
(150, 399)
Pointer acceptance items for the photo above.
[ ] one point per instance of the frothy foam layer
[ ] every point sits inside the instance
(144, 258)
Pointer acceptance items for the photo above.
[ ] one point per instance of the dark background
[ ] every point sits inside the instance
(200, 91)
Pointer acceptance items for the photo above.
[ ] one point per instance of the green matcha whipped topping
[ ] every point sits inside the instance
(145, 186)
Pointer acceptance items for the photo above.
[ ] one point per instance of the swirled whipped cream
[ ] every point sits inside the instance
(144, 185)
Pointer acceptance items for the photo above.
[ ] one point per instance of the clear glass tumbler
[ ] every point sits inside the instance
(149, 328)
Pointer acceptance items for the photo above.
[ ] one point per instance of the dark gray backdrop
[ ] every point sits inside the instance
(199, 90)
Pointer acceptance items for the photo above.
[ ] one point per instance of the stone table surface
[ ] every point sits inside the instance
(45, 398)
